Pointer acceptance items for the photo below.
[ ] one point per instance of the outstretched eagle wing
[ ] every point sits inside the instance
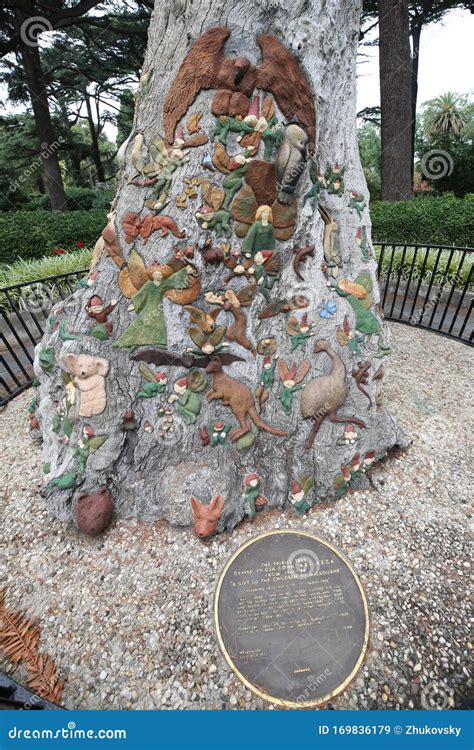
(197, 71)
(280, 74)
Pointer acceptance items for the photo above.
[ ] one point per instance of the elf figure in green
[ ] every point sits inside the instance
(299, 493)
(219, 432)
(88, 444)
(233, 181)
(253, 493)
(271, 137)
(359, 295)
(267, 376)
(291, 378)
(188, 403)
(318, 183)
(335, 179)
(299, 331)
(265, 271)
(228, 124)
(362, 241)
(155, 385)
(357, 202)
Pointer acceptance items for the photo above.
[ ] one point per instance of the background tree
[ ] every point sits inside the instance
(445, 144)
(421, 14)
(370, 155)
(395, 100)
(22, 22)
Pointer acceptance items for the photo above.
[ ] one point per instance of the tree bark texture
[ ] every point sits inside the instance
(396, 92)
(168, 441)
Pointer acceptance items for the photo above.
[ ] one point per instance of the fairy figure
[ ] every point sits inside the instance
(291, 378)
(149, 327)
(359, 295)
(233, 182)
(299, 331)
(260, 235)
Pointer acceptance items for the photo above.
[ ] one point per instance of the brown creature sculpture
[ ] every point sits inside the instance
(238, 397)
(233, 303)
(206, 67)
(323, 395)
(133, 226)
(89, 376)
(361, 377)
(99, 311)
(206, 517)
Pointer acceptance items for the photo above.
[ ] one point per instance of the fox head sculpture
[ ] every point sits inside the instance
(206, 517)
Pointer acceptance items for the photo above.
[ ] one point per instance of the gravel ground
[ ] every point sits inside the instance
(128, 617)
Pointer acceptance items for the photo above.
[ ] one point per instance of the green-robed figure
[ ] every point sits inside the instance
(260, 235)
(149, 327)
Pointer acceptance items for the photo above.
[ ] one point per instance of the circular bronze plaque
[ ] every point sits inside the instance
(292, 618)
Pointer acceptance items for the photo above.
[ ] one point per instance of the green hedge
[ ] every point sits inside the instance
(33, 234)
(78, 199)
(443, 220)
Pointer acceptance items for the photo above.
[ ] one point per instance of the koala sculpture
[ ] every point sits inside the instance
(89, 376)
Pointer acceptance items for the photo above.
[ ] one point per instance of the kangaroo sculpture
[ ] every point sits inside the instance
(323, 396)
(238, 397)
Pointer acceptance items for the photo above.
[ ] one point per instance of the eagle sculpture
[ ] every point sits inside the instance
(235, 78)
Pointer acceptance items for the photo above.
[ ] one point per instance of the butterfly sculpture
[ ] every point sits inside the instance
(328, 310)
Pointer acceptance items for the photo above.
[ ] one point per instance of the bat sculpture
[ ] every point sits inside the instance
(235, 79)
(162, 357)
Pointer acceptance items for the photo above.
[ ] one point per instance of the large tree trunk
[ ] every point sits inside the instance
(96, 155)
(395, 100)
(153, 474)
(416, 38)
(44, 128)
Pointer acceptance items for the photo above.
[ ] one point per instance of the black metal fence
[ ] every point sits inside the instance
(24, 311)
(429, 286)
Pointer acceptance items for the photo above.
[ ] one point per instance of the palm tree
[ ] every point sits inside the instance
(445, 114)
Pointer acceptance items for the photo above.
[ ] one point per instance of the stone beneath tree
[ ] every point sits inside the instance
(94, 512)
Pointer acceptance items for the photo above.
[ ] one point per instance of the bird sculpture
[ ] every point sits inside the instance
(323, 395)
(234, 79)
(290, 161)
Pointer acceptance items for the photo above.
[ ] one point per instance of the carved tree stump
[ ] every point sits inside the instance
(175, 426)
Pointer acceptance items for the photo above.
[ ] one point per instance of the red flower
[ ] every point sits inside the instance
(80, 244)
(59, 251)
